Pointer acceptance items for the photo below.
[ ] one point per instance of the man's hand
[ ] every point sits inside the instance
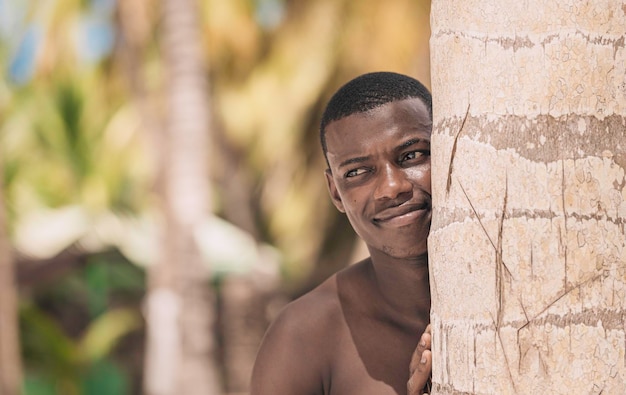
(421, 365)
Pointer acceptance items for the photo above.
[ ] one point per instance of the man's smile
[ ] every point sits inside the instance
(402, 215)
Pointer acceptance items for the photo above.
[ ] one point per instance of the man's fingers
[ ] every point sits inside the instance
(421, 364)
(423, 345)
(419, 377)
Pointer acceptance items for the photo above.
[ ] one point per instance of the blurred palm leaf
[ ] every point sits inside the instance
(47, 348)
(56, 358)
(104, 333)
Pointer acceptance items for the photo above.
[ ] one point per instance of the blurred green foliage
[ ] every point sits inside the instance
(72, 327)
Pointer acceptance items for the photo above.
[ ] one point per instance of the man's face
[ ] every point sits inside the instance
(379, 175)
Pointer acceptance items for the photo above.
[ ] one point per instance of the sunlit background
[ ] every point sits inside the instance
(82, 106)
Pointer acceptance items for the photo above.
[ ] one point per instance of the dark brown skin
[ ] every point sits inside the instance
(364, 330)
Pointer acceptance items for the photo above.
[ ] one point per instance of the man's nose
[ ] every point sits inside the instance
(392, 182)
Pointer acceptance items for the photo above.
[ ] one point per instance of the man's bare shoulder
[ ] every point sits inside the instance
(320, 309)
(296, 349)
(311, 313)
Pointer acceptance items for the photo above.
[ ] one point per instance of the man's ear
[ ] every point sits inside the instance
(332, 190)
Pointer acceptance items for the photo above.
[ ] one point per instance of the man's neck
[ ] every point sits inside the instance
(403, 283)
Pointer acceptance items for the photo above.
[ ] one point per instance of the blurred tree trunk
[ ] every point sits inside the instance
(10, 358)
(527, 245)
(247, 303)
(180, 304)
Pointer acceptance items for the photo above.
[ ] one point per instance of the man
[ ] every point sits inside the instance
(358, 332)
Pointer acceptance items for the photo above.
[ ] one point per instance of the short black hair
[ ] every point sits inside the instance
(369, 91)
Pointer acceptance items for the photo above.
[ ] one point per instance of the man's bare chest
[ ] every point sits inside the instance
(370, 363)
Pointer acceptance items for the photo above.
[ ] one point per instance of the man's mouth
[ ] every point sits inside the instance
(402, 215)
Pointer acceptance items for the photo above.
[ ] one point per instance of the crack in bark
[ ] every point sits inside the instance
(453, 152)
(499, 261)
(558, 298)
(612, 320)
(563, 186)
(460, 215)
(506, 358)
(519, 345)
(449, 389)
(518, 42)
(515, 42)
(483, 227)
(500, 266)
(500, 300)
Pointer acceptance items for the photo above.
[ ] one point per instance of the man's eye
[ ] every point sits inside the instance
(410, 155)
(355, 172)
(413, 155)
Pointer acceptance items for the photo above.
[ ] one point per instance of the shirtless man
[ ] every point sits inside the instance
(358, 332)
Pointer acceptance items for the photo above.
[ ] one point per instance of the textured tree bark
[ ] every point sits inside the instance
(10, 357)
(527, 243)
(180, 305)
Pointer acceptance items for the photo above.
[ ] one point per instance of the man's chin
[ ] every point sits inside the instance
(413, 253)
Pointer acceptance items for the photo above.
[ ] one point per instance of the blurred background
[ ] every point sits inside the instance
(153, 144)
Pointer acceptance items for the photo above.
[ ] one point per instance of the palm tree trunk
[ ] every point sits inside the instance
(527, 245)
(10, 357)
(180, 305)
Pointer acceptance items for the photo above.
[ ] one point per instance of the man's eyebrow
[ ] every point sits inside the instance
(351, 161)
(411, 142)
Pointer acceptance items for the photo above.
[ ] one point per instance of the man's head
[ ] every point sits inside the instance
(369, 91)
(376, 135)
